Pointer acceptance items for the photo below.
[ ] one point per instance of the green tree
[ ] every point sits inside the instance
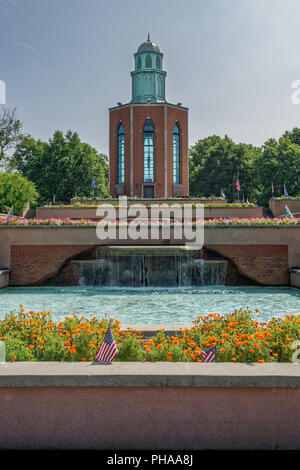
(10, 132)
(215, 163)
(62, 167)
(16, 191)
(279, 163)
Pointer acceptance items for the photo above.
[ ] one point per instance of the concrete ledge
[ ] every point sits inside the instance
(149, 406)
(295, 277)
(156, 374)
(4, 278)
(151, 329)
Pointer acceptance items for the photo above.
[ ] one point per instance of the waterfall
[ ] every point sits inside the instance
(142, 269)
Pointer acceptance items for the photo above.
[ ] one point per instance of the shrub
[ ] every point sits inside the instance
(16, 191)
(34, 336)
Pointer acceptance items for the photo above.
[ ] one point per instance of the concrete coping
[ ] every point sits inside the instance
(207, 226)
(149, 374)
(4, 271)
(151, 329)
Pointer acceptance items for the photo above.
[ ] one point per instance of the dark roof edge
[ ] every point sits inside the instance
(147, 104)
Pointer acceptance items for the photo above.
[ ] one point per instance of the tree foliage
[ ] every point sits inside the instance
(215, 163)
(16, 191)
(63, 167)
(10, 132)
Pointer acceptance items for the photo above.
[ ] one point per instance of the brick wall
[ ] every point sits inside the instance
(32, 264)
(115, 118)
(140, 114)
(262, 264)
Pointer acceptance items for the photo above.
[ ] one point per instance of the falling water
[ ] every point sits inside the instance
(145, 270)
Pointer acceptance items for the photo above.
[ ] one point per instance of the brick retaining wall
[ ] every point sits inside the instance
(33, 264)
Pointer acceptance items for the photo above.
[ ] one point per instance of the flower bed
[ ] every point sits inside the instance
(34, 336)
(82, 205)
(67, 221)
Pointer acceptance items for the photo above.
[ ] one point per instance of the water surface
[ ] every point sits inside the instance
(152, 305)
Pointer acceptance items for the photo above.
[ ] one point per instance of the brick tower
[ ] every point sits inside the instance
(148, 137)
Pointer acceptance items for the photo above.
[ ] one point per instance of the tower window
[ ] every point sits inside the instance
(176, 154)
(148, 62)
(157, 62)
(139, 63)
(148, 152)
(121, 149)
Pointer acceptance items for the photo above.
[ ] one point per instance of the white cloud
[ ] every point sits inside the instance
(27, 46)
(7, 7)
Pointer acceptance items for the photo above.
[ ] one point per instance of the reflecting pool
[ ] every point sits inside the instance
(152, 305)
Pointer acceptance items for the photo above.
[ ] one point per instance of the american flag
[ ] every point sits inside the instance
(209, 355)
(272, 188)
(237, 183)
(108, 349)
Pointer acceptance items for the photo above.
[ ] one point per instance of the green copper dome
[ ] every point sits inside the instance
(148, 78)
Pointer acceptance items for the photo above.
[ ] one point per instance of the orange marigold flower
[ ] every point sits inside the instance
(233, 359)
(261, 360)
(83, 359)
(169, 358)
(31, 346)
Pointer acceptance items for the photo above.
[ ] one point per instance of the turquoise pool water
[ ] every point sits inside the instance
(152, 305)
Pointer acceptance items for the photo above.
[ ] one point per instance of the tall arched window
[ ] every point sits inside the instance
(139, 63)
(148, 152)
(121, 154)
(176, 154)
(157, 62)
(148, 62)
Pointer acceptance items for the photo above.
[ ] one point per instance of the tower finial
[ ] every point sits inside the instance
(148, 36)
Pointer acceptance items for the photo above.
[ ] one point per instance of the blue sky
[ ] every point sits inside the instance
(231, 62)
